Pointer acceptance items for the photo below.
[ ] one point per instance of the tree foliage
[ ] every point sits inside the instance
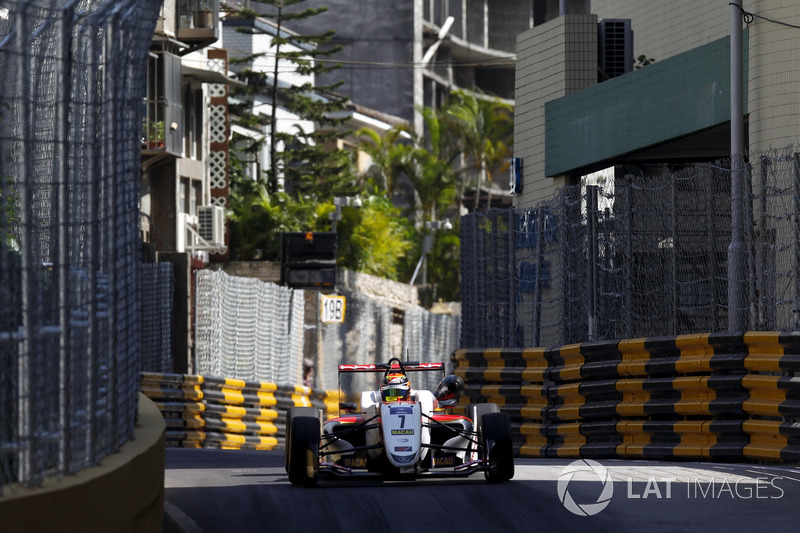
(468, 137)
(484, 128)
(374, 239)
(303, 156)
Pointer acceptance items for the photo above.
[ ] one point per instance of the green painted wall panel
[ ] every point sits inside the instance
(680, 95)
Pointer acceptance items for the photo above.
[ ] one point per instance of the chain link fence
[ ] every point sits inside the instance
(248, 329)
(158, 286)
(70, 117)
(374, 332)
(633, 254)
(252, 330)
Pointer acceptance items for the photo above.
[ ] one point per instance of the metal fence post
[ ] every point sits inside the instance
(711, 240)
(628, 235)
(674, 256)
(513, 282)
(537, 288)
(24, 437)
(796, 240)
(591, 252)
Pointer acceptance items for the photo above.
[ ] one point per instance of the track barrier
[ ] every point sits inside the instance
(214, 412)
(713, 396)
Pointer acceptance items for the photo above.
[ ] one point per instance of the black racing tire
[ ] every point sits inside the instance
(303, 451)
(291, 413)
(498, 446)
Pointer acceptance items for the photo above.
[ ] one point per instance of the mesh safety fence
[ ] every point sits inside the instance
(373, 333)
(248, 329)
(70, 115)
(638, 254)
(158, 284)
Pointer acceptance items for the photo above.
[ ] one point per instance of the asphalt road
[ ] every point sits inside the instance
(248, 491)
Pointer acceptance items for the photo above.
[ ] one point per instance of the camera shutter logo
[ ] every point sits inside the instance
(591, 467)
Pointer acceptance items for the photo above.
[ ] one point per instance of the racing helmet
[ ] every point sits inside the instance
(394, 387)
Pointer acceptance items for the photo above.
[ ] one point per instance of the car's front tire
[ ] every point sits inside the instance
(498, 446)
(303, 450)
(291, 413)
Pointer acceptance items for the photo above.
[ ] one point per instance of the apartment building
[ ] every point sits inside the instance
(185, 133)
(573, 118)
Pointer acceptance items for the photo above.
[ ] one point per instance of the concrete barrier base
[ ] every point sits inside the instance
(124, 493)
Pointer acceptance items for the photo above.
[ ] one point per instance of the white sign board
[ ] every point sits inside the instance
(332, 309)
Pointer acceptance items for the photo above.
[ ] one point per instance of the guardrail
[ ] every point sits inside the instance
(214, 412)
(712, 396)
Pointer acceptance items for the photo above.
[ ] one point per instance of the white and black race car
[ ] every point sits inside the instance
(399, 432)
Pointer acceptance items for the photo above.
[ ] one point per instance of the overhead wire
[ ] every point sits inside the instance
(748, 17)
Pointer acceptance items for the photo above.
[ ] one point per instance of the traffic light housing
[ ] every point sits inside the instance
(308, 259)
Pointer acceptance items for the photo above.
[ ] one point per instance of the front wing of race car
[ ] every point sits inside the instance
(453, 449)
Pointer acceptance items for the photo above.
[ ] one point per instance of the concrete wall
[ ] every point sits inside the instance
(554, 59)
(774, 74)
(125, 493)
(374, 31)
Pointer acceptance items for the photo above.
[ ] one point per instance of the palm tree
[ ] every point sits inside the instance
(484, 128)
(387, 152)
(432, 179)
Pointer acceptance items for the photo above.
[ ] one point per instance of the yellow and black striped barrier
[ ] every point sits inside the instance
(215, 412)
(718, 396)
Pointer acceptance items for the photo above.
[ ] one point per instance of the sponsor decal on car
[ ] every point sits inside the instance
(355, 462)
(402, 432)
(444, 460)
(402, 448)
(401, 410)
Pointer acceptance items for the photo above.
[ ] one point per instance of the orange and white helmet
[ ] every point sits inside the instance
(395, 387)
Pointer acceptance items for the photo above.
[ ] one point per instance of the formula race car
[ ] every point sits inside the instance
(399, 432)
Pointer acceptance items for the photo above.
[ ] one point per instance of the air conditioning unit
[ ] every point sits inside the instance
(615, 47)
(212, 224)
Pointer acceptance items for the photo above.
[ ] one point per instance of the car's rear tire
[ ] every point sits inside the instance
(291, 413)
(303, 450)
(498, 446)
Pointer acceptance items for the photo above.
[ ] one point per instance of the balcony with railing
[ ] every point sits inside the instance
(197, 20)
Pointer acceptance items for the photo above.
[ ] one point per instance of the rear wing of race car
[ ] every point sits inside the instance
(383, 367)
(394, 364)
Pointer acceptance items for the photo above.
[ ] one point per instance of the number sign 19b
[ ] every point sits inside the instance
(332, 309)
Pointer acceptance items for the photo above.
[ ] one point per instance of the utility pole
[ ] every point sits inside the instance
(736, 250)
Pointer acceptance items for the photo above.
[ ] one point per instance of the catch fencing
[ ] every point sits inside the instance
(248, 329)
(635, 254)
(70, 115)
(157, 288)
(251, 330)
